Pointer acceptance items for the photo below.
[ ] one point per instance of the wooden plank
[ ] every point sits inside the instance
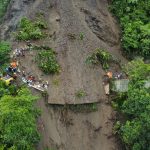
(37, 88)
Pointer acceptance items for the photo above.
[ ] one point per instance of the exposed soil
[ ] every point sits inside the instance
(63, 129)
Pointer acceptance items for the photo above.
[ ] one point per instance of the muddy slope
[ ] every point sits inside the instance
(66, 130)
(71, 17)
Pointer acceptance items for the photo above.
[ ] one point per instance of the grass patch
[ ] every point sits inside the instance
(101, 56)
(31, 29)
(56, 82)
(81, 93)
(46, 59)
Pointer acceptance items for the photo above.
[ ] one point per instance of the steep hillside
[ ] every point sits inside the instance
(66, 18)
(64, 129)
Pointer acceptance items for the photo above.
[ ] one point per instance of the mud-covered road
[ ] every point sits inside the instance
(64, 129)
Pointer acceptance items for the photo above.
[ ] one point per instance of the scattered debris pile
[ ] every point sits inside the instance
(13, 72)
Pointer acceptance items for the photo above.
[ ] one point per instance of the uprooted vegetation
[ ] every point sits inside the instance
(101, 56)
(134, 20)
(46, 60)
(135, 104)
(31, 29)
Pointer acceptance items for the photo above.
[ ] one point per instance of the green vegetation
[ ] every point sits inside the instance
(81, 108)
(3, 7)
(137, 70)
(81, 35)
(4, 52)
(18, 119)
(31, 29)
(81, 93)
(17, 113)
(101, 56)
(46, 60)
(7, 90)
(134, 20)
(135, 105)
(56, 82)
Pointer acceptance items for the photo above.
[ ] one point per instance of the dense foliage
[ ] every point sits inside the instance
(3, 7)
(7, 90)
(137, 70)
(31, 29)
(101, 56)
(47, 62)
(135, 104)
(4, 52)
(134, 18)
(18, 114)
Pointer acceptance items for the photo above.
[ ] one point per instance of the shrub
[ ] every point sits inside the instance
(4, 52)
(101, 56)
(30, 30)
(47, 62)
(41, 24)
(81, 35)
(81, 93)
(137, 70)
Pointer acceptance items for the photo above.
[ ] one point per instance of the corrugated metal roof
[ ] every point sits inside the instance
(121, 85)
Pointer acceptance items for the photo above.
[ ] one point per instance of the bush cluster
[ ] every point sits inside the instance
(134, 19)
(46, 59)
(31, 30)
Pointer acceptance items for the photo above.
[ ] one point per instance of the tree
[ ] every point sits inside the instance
(135, 131)
(4, 52)
(137, 70)
(18, 120)
(133, 16)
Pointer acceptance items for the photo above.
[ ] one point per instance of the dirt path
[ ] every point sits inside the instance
(64, 129)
